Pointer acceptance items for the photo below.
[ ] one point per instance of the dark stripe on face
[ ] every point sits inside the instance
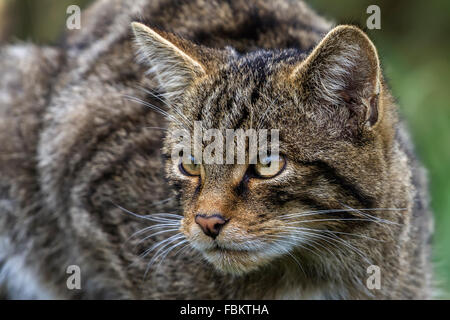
(255, 95)
(331, 174)
(204, 111)
(280, 197)
(340, 220)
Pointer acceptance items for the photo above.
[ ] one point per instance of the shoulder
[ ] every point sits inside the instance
(27, 72)
(242, 24)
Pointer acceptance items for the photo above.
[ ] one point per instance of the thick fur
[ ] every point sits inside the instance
(76, 147)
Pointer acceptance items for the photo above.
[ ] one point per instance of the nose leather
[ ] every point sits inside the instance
(211, 225)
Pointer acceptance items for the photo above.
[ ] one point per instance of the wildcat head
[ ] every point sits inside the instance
(335, 125)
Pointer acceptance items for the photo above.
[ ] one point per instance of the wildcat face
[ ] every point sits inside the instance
(333, 124)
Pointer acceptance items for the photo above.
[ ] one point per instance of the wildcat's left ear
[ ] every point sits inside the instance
(176, 63)
(343, 69)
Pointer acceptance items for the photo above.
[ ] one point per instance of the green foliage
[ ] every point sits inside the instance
(38, 21)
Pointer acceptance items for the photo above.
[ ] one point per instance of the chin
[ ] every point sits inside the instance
(232, 253)
(236, 262)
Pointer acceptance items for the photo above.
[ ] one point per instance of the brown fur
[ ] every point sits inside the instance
(75, 148)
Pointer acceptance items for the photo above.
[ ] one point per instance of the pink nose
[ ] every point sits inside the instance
(211, 225)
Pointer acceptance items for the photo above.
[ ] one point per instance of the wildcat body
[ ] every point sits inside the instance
(79, 149)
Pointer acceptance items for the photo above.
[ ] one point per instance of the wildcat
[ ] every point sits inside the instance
(87, 176)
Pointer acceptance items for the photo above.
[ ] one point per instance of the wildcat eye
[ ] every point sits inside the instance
(270, 166)
(190, 168)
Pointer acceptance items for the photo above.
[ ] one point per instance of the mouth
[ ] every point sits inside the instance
(218, 248)
(235, 260)
(232, 254)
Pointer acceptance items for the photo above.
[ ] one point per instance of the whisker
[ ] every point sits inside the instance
(180, 250)
(339, 240)
(284, 250)
(156, 128)
(167, 242)
(157, 109)
(156, 245)
(163, 255)
(154, 95)
(307, 241)
(329, 219)
(157, 233)
(166, 103)
(153, 227)
(326, 239)
(285, 240)
(332, 231)
(155, 217)
(177, 216)
(161, 218)
(318, 212)
(154, 203)
(378, 219)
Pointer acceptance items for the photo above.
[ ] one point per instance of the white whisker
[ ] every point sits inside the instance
(163, 244)
(330, 231)
(153, 227)
(166, 103)
(159, 110)
(319, 212)
(157, 233)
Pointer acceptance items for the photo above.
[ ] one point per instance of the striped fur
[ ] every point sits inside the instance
(78, 150)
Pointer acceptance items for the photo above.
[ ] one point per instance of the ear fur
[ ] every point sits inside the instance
(173, 61)
(343, 69)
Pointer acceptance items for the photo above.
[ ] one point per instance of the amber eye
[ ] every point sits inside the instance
(270, 166)
(189, 167)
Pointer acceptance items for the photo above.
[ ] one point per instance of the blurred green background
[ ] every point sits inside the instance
(413, 44)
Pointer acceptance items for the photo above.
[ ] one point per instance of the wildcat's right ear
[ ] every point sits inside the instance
(175, 62)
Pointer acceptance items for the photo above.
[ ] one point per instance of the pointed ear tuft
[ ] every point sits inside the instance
(173, 61)
(343, 70)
